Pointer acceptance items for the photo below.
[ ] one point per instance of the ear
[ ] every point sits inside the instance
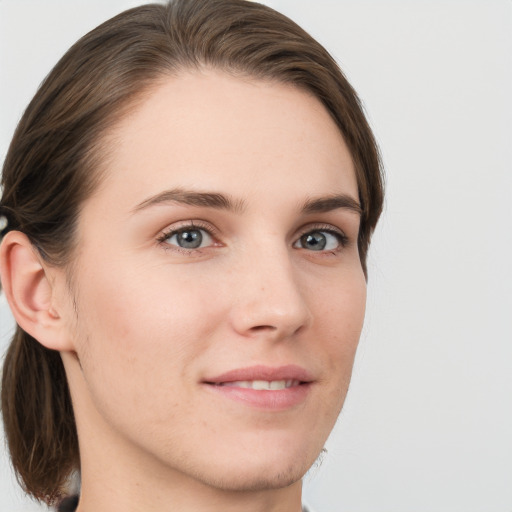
(28, 286)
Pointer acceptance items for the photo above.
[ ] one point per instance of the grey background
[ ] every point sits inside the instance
(427, 425)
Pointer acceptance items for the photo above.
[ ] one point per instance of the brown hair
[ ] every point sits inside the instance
(54, 159)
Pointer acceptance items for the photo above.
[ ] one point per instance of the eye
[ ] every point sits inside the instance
(189, 237)
(321, 240)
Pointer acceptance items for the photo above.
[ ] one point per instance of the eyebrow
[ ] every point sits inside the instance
(191, 198)
(220, 201)
(329, 203)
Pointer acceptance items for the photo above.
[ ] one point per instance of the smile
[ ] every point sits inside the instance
(261, 385)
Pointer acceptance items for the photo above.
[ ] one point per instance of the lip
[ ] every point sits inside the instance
(275, 400)
(262, 372)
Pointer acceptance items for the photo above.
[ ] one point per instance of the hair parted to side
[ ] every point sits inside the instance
(56, 159)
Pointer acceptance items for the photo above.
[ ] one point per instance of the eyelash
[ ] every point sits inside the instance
(187, 226)
(198, 225)
(342, 238)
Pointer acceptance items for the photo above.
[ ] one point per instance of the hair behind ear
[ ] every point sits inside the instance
(38, 418)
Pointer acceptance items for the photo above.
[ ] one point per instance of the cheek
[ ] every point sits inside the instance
(338, 320)
(131, 304)
(341, 309)
(340, 316)
(140, 330)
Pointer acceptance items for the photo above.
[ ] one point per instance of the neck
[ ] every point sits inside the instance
(180, 494)
(116, 480)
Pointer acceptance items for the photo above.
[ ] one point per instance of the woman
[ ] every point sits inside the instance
(189, 201)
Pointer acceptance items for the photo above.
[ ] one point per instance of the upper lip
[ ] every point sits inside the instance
(262, 372)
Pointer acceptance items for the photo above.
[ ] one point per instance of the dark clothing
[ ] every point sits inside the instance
(69, 505)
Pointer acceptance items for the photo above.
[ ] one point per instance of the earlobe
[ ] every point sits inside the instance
(29, 291)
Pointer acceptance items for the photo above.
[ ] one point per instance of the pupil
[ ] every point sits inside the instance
(315, 241)
(190, 239)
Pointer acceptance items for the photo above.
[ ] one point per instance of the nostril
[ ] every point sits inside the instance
(258, 328)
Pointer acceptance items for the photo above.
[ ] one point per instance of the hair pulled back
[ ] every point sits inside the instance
(56, 157)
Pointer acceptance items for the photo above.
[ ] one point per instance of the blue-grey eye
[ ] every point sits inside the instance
(190, 238)
(319, 241)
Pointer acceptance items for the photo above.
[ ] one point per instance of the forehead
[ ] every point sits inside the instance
(213, 131)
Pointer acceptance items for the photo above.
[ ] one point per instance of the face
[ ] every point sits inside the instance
(218, 290)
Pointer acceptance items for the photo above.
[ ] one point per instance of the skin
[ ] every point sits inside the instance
(146, 321)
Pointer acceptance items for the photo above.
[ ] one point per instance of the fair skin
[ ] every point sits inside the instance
(219, 251)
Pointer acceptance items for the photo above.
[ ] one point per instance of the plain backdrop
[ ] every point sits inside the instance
(427, 425)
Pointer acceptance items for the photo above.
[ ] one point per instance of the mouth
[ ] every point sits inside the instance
(263, 387)
(260, 385)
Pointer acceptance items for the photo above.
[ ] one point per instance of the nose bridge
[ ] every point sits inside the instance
(269, 296)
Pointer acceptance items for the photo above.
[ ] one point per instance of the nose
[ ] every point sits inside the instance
(269, 299)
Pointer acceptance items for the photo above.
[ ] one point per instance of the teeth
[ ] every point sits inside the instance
(263, 385)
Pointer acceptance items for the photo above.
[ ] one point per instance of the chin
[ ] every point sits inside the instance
(254, 481)
(258, 471)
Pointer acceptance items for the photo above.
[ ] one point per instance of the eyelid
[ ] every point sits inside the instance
(212, 231)
(329, 228)
(321, 226)
(180, 226)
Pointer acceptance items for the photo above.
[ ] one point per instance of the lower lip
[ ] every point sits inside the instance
(276, 400)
